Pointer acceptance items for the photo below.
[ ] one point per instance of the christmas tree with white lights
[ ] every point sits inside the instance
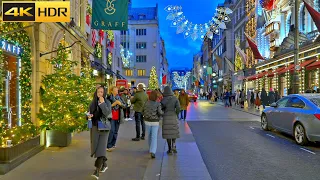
(153, 80)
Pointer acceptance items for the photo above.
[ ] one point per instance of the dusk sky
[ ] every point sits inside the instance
(179, 50)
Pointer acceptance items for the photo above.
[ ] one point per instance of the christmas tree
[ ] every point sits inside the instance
(65, 96)
(153, 80)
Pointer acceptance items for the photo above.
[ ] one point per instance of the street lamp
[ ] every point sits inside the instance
(295, 84)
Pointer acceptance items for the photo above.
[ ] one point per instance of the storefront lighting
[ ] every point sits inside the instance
(108, 76)
(220, 79)
(204, 66)
(95, 73)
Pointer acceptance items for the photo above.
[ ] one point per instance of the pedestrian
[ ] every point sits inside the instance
(117, 117)
(176, 93)
(138, 100)
(252, 99)
(248, 97)
(264, 98)
(271, 96)
(126, 110)
(226, 96)
(237, 97)
(230, 98)
(99, 110)
(152, 113)
(170, 125)
(257, 100)
(243, 98)
(184, 103)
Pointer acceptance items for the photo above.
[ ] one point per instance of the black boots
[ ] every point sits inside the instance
(172, 146)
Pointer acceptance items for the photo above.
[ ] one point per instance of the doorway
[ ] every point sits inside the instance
(11, 90)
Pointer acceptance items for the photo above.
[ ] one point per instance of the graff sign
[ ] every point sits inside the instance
(11, 48)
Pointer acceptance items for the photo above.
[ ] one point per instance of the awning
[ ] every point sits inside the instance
(313, 65)
(257, 76)
(291, 66)
(271, 73)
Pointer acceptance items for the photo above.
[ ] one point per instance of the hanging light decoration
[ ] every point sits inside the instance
(180, 81)
(196, 31)
(125, 57)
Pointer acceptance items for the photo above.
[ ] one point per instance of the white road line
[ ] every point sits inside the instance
(270, 135)
(307, 150)
(251, 127)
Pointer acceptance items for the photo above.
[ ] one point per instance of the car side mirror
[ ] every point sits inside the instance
(274, 105)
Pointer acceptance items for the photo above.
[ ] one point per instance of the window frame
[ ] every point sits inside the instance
(141, 59)
(129, 74)
(140, 44)
(143, 72)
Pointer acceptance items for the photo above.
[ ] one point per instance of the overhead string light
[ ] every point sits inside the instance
(180, 80)
(197, 31)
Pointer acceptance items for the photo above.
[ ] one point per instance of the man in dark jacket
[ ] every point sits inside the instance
(138, 100)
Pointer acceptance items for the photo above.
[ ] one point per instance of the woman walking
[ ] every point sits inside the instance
(258, 101)
(252, 98)
(170, 124)
(264, 98)
(117, 117)
(152, 112)
(99, 110)
(184, 103)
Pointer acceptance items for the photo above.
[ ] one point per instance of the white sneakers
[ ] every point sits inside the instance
(128, 119)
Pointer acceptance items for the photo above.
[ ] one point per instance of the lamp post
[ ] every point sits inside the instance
(296, 81)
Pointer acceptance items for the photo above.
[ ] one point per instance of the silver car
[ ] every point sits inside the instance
(298, 115)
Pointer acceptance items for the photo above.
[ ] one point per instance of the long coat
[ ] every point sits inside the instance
(99, 139)
(184, 101)
(170, 124)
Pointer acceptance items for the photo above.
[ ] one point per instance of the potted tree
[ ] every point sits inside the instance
(64, 98)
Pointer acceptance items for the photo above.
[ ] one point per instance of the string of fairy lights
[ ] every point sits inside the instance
(180, 81)
(198, 31)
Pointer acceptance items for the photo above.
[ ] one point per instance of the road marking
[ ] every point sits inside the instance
(270, 135)
(307, 150)
(251, 127)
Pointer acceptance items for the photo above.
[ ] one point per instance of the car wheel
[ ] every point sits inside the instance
(264, 122)
(300, 134)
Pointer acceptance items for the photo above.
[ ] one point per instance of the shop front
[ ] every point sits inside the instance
(277, 74)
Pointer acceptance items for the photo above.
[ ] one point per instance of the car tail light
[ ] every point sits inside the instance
(317, 116)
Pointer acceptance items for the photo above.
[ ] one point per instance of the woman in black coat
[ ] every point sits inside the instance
(100, 109)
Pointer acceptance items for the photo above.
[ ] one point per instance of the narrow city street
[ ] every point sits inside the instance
(233, 146)
(224, 142)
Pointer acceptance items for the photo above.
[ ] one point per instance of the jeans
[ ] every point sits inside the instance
(113, 135)
(183, 114)
(152, 139)
(226, 102)
(139, 120)
(126, 112)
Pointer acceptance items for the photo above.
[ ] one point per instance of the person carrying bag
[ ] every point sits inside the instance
(99, 110)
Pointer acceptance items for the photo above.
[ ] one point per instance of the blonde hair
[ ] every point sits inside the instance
(111, 89)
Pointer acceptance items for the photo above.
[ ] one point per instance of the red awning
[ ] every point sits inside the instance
(271, 74)
(256, 76)
(313, 65)
(291, 66)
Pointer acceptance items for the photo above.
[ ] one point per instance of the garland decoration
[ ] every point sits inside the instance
(88, 14)
(110, 45)
(180, 80)
(21, 39)
(196, 31)
(125, 57)
(98, 50)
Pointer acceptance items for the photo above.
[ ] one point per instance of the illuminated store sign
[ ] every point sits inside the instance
(13, 49)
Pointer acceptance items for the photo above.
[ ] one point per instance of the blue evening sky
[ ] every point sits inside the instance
(179, 50)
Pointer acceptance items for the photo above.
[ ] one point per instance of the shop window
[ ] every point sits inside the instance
(141, 72)
(129, 72)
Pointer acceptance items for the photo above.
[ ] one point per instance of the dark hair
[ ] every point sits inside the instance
(94, 103)
(153, 96)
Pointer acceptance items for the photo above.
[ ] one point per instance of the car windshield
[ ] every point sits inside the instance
(316, 101)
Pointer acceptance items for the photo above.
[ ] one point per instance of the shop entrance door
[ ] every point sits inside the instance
(11, 91)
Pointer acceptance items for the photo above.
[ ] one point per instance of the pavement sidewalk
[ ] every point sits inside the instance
(250, 110)
(130, 161)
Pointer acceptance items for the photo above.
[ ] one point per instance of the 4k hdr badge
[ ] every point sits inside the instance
(39, 11)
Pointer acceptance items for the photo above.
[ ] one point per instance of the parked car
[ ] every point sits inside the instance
(298, 115)
(192, 97)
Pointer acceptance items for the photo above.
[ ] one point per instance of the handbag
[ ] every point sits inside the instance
(104, 125)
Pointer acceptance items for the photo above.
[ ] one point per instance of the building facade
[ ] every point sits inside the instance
(143, 41)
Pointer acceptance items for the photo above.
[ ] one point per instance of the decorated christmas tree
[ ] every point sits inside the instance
(65, 96)
(153, 80)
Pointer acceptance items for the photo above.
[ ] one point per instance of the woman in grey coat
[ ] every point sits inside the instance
(100, 108)
(170, 124)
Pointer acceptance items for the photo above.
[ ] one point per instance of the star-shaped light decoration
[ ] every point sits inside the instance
(198, 31)
(180, 80)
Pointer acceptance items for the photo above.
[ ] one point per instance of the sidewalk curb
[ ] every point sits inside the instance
(241, 110)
